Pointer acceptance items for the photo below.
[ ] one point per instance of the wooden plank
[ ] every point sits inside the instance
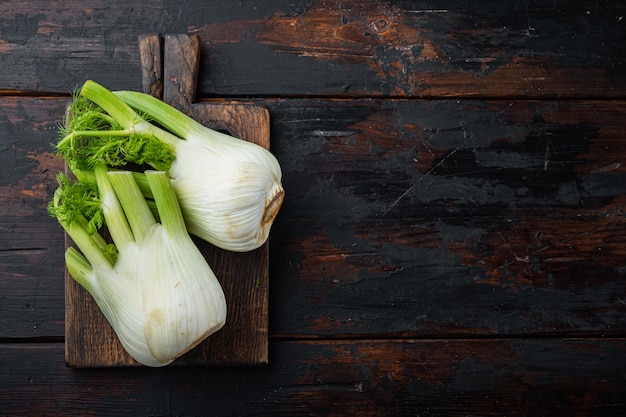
(89, 339)
(31, 244)
(402, 217)
(335, 378)
(446, 217)
(329, 47)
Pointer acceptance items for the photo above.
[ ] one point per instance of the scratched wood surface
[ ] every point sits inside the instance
(452, 238)
(532, 377)
(329, 47)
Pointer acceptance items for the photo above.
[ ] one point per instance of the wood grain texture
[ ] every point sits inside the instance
(452, 239)
(341, 378)
(151, 54)
(31, 244)
(90, 341)
(446, 217)
(328, 47)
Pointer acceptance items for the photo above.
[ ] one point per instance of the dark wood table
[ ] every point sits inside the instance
(453, 239)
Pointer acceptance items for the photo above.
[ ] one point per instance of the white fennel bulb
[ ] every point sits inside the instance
(229, 190)
(232, 202)
(159, 294)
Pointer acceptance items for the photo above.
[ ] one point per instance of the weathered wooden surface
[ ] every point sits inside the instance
(452, 239)
(337, 378)
(328, 47)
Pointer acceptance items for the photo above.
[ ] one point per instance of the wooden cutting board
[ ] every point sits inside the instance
(169, 71)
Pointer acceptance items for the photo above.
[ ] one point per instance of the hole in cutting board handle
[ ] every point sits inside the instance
(219, 126)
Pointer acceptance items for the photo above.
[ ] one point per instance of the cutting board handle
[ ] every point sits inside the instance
(169, 67)
(169, 71)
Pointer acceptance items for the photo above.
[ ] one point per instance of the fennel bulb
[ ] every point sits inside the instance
(153, 285)
(229, 189)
